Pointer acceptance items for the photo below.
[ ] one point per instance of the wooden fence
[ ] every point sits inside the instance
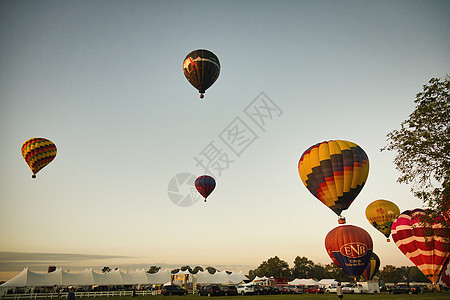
(63, 296)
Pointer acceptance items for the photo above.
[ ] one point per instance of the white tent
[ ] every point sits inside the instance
(160, 277)
(135, 278)
(26, 278)
(111, 278)
(83, 278)
(328, 282)
(304, 282)
(204, 277)
(238, 277)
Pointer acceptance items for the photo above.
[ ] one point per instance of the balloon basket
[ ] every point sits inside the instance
(33, 176)
(388, 240)
(202, 96)
(341, 220)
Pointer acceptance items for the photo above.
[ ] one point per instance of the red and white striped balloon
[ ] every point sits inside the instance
(426, 245)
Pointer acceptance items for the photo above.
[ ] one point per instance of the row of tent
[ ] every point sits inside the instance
(59, 277)
(306, 282)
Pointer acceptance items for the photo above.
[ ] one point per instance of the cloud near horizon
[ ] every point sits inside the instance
(17, 261)
(13, 261)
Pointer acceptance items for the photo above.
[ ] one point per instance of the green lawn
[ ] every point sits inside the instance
(382, 296)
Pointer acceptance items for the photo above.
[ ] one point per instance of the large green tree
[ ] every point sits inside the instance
(274, 266)
(302, 267)
(423, 147)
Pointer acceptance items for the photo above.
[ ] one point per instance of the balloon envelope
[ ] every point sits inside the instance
(372, 267)
(445, 275)
(381, 214)
(201, 68)
(205, 185)
(350, 247)
(426, 245)
(334, 172)
(38, 152)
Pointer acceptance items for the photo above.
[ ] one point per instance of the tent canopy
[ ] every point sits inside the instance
(59, 277)
(304, 282)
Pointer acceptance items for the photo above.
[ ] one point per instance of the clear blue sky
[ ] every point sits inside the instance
(103, 80)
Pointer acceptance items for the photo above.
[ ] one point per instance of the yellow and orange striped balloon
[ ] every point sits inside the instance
(38, 152)
(334, 172)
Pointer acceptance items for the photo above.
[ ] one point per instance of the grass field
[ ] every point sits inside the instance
(381, 296)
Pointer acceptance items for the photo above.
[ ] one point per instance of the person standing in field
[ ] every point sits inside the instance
(339, 292)
(70, 294)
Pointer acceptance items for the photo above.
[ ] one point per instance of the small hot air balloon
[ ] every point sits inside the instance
(201, 68)
(38, 152)
(205, 185)
(381, 214)
(426, 245)
(334, 172)
(372, 267)
(351, 247)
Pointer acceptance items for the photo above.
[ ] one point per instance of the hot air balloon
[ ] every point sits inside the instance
(334, 172)
(351, 247)
(381, 214)
(426, 245)
(445, 275)
(201, 68)
(38, 152)
(205, 185)
(372, 267)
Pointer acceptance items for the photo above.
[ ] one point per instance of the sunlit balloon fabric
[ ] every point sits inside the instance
(349, 247)
(372, 267)
(381, 214)
(201, 68)
(426, 245)
(334, 172)
(205, 185)
(38, 152)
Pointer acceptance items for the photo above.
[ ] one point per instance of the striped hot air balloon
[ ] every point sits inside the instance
(372, 267)
(201, 68)
(349, 247)
(334, 172)
(426, 245)
(38, 152)
(205, 184)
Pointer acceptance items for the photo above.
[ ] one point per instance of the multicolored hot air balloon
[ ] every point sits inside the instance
(38, 152)
(372, 267)
(349, 247)
(426, 245)
(205, 185)
(201, 68)
(381, 214)
(334, 172)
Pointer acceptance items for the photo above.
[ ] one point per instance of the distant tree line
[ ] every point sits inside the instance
(305, 268)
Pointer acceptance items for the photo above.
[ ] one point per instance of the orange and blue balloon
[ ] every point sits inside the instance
(349, 247)
(205, 185)
(38, 153)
